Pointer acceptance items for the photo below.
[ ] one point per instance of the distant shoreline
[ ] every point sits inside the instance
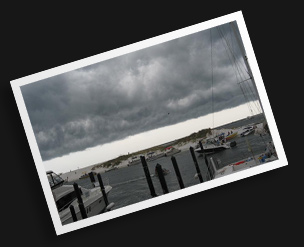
(182, 144)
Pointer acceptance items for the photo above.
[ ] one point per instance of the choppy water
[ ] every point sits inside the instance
(130, 185)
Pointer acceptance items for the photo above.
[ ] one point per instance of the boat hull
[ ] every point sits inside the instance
(136, 162)
(155, 157)
(170, 153)
(242, 164)
(247, 133)
(231, 136)
(211, 149)
(93, 206)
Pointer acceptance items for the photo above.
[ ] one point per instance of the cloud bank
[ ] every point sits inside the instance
(151, 88)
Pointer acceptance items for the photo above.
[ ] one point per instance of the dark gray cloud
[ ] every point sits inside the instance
(133, 93)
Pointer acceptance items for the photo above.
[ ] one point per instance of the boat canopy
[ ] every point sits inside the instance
(54, 179)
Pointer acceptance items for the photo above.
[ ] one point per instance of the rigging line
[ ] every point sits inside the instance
(251, 92)
(250, 101)
(246, 99)
(236, 71)
(232, 60)
(251, 95)
(241, 67)
(254, 97)
(242, 48)
(212, 106)
(232, 53)
(229, 45)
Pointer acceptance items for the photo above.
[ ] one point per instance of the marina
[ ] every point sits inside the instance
(129, 184)
(221, 151)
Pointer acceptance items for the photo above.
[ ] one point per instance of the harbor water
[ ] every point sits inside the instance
(129, 184)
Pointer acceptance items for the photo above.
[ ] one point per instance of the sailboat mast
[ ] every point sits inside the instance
(246, 62)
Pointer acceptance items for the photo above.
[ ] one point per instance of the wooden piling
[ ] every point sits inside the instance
(92, 178)
(72, 209)
(162, 179)
(210, 173)
(148, 177)
(177, 172)
(80, 202)
(103, 191)
(196, 165)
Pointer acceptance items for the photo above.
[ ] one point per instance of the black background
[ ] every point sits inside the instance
(257, 208)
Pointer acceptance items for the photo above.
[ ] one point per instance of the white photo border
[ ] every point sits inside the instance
(16, 84)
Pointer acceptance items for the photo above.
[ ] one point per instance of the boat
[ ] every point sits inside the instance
(153, 156)
(247, 131)
(134, 161)
(231, 135)
(215, 144)
(169, 151)
(246, 163)
(241, 165)
(65, 196)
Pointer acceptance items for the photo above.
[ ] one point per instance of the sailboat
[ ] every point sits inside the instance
(216, 143)
(254, 160)
(249, 92)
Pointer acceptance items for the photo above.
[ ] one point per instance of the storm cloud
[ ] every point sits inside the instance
(130, 94)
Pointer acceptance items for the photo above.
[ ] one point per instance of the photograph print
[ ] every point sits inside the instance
(172, 116)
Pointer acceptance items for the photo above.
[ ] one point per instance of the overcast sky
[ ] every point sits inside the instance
(148, 89)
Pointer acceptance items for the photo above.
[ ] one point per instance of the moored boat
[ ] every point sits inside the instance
(134, 161)
(154, 156)
(245, 131)
(231, 135)
(65, 196)
(215, 144)
(252, 161)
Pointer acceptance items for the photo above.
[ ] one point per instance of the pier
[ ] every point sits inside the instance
(150, 177)
(161, 175)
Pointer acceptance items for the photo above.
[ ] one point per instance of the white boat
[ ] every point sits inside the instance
(215, 144)
(247, 131)
(153, 156)
(65, 196)
(240, 165)
(252, 161)
(134, 161)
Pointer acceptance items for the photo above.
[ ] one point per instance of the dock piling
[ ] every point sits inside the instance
(162, 179)
(148, 177)
(177, 172)
(210, 173)
(92, 178)
(196, 165)
(72, 209)
(102, 189)
(80, 202)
